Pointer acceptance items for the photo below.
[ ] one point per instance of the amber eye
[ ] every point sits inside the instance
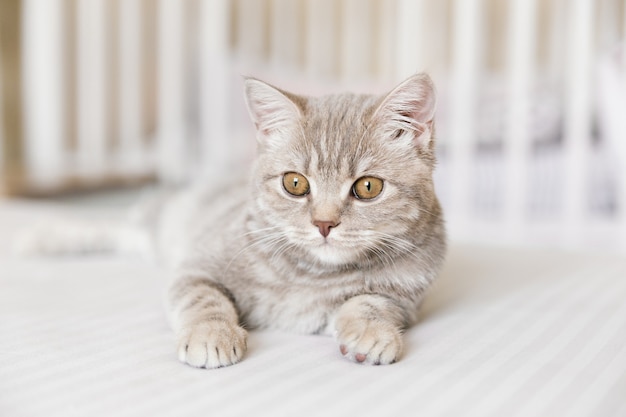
(367, 188)
(296, 184)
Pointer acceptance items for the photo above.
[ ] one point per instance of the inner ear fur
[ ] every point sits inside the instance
(409, 108)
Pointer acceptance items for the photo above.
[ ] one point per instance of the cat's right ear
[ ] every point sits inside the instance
(271, 111)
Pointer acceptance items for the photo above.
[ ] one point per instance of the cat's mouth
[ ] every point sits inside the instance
(328, 253)
(330, 250)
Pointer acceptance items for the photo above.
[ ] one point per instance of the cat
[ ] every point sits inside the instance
(338, 231)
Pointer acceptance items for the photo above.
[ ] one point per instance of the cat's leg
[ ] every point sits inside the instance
(369, 328)
(205, 319)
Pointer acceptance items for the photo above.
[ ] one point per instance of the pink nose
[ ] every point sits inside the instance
(324, 226)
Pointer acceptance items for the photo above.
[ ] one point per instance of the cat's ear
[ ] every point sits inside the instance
(270, 109)
(408, 110)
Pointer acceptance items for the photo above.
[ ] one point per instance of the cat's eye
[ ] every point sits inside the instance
(296, 184)
(367, 188)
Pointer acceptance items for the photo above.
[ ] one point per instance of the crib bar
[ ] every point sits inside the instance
(252, 31)
(577, 116)
(171, 156)
(214, 95)
(622, 172)
(322, 49)
(4, 170)
(43, 91)
(409, 30)
(556, 38)
(518, 139)
(609, 23)
(621, 203)
(287, 35)
(131, 152)
(611, 99)
(358, 40)
(385, 65)
(623, 38)
(93, 90)
(465, 65)
(3, 164)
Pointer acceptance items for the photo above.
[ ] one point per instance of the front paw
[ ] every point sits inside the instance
(212, 344)
(369, 341)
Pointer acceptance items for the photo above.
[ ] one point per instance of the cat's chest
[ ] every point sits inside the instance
(295, 309)
(300, 307)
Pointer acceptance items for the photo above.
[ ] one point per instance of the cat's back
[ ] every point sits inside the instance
(200, 212)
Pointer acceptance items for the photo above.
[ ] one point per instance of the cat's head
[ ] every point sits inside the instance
(343, 177)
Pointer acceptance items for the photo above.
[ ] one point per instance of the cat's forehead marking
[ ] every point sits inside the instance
(334, 131)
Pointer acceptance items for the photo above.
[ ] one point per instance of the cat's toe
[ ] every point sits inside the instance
(212, 344)
(386, 351)
(373, 342)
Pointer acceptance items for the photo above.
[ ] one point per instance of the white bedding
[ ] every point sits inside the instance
(505, 333)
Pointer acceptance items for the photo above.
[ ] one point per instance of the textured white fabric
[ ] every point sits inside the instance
(504, 333)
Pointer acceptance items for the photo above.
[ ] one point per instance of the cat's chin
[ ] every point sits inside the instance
(333, 254)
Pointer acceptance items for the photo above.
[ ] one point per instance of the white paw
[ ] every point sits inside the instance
(212, 344)
(372, 342)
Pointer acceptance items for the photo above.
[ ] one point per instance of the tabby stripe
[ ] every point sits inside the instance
(203, 301)
(189, 285)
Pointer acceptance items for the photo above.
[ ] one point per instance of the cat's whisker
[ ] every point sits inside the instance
(385, 247)
(426, 211)
(269, 239)
(402, 246)
(386, 258)
(281, 250)
(256, 231)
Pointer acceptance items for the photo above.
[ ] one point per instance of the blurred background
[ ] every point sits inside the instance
(531, 123)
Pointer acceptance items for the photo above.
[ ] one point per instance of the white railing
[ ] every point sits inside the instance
(98, 102)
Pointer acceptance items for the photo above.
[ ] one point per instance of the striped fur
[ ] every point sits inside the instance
(253, 259)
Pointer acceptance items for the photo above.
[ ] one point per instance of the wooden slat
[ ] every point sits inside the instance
(466, 57)
(577, 117)
(557, 37)
(287, 35)
(93, 90)
(70, 76)
(131, 151)
(44, 91)
(623, 37)
(172, 146)
(323, 31)
(409, 37)
(215, 101)
(358, 40)
(422, 33)
(113, 44)
(386, 57)
(622, 176)
(11, 133)
(252, 31)
(149, 69)
(3, 170)
(517, 141)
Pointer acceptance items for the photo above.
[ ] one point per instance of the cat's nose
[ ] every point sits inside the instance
(324, 226)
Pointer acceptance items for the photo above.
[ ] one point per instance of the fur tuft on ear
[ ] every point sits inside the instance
(409, 109)
(270, 109)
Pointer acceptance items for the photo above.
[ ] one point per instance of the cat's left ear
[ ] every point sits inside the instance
(409, 110)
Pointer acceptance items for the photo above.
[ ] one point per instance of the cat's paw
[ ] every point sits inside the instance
(212, 344)
(368, 341)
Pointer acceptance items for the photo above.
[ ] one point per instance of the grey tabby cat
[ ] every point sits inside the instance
(338, 232)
